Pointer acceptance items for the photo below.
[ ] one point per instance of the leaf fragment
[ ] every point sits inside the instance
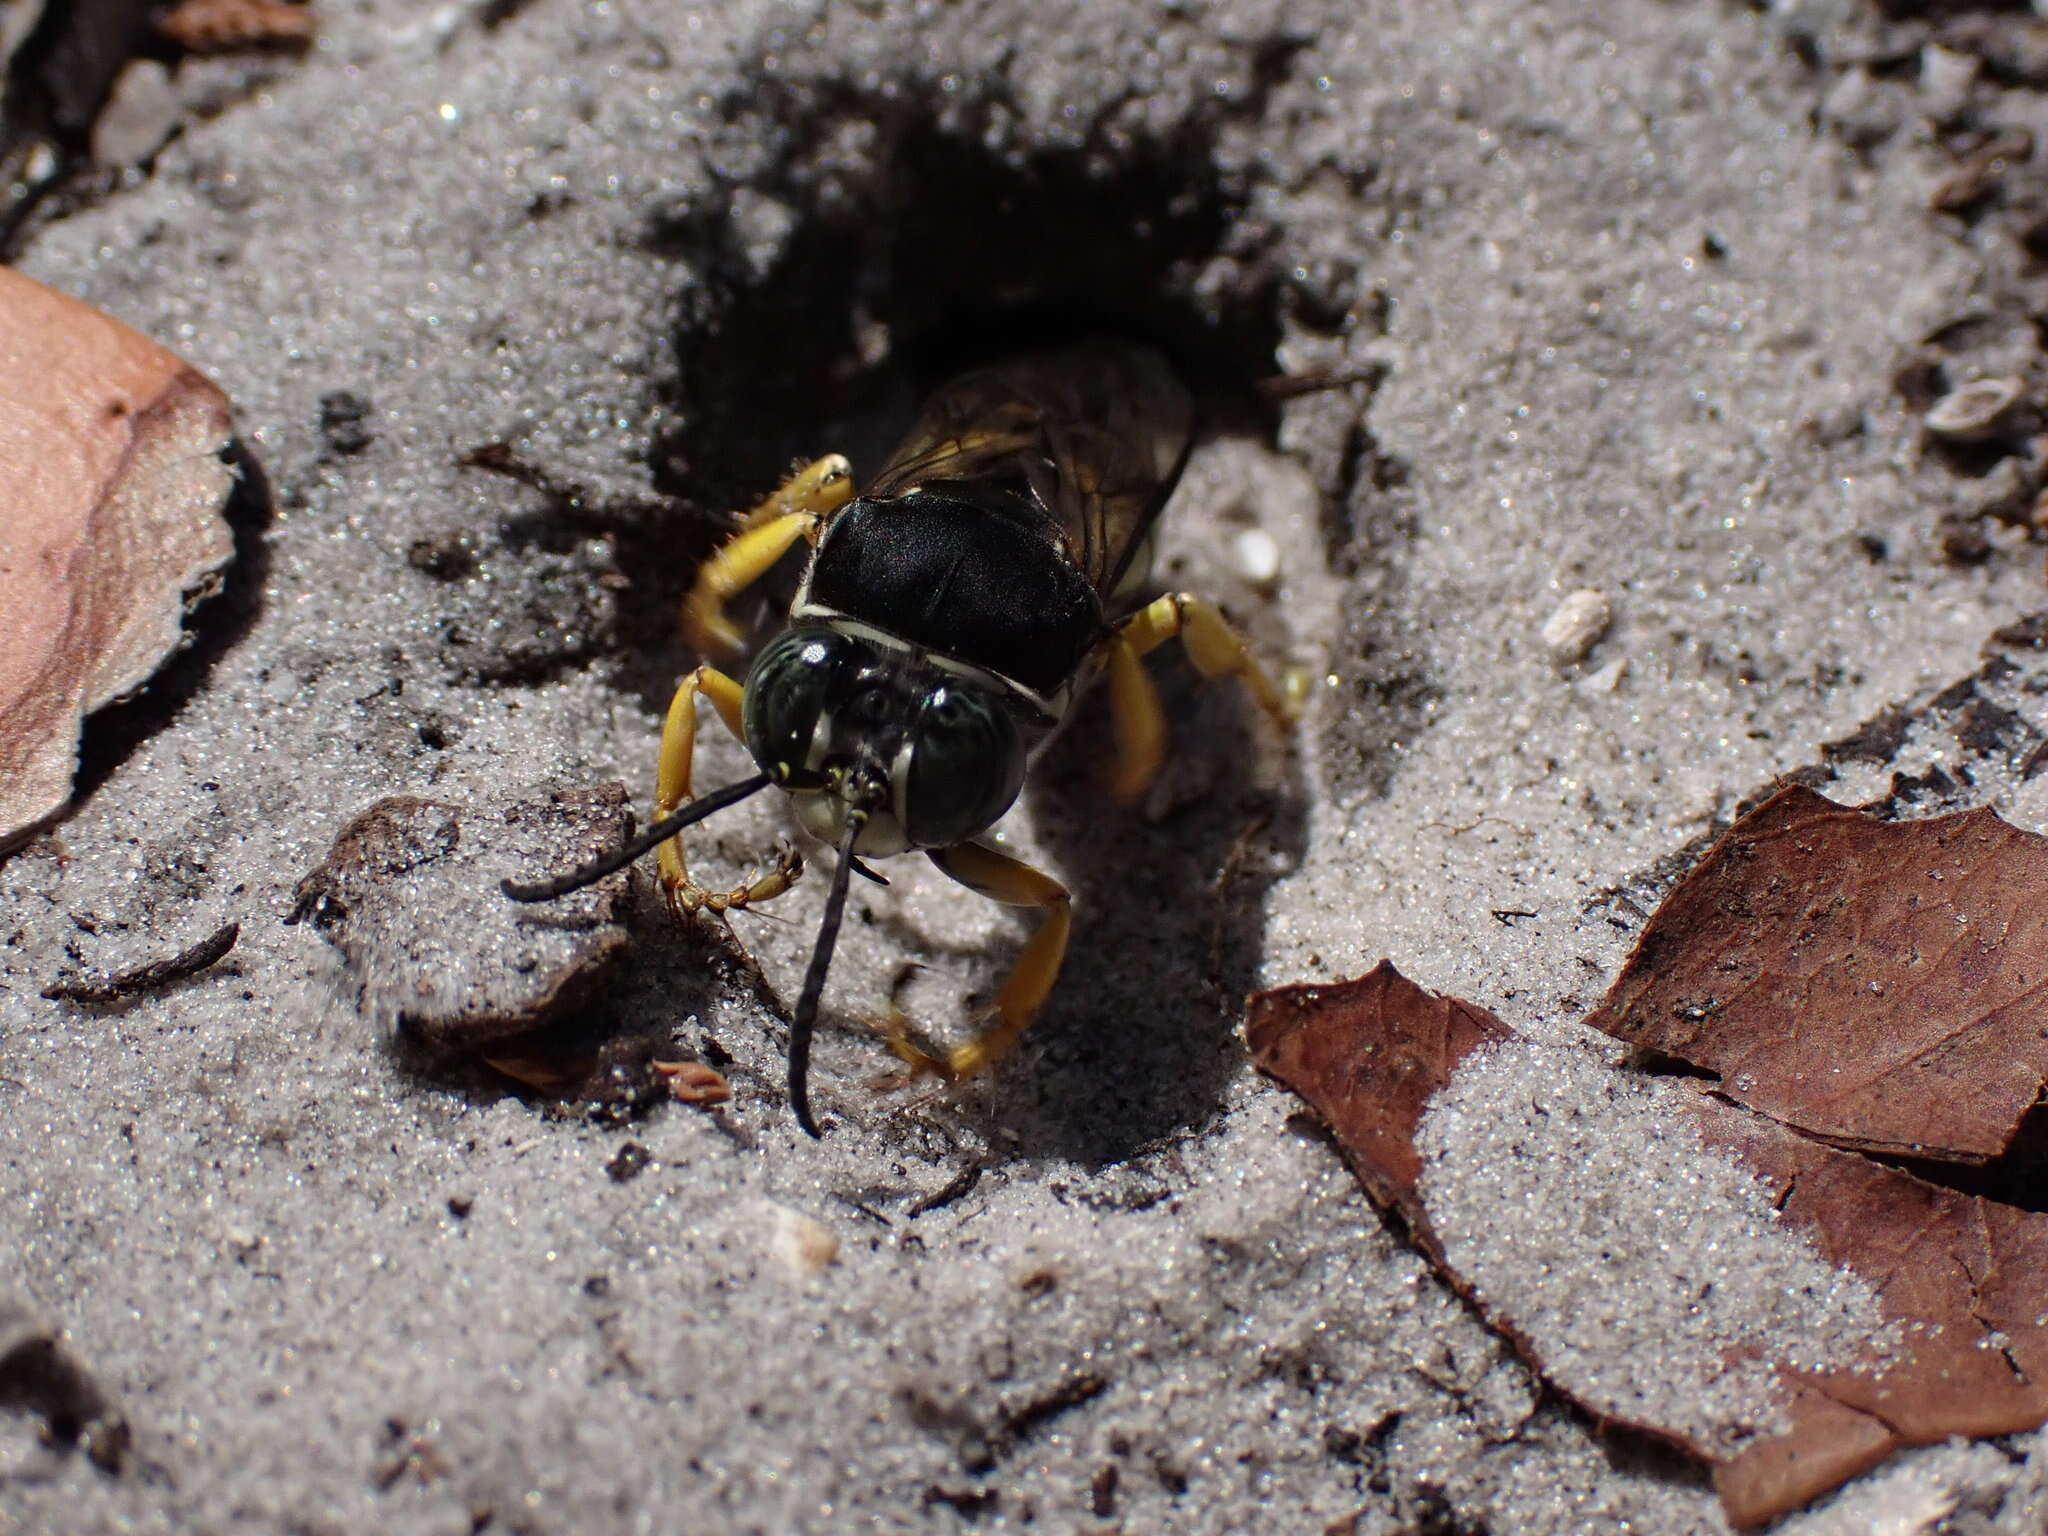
(1882, 985)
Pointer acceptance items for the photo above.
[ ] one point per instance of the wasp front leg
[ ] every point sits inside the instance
(797, 509)
(1016, 884)
(672, 788)
(1216, 649)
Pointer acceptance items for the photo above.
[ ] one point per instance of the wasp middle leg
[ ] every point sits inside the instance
(672, 788)
(798, 508)
(1216, 649)
(1016, 884)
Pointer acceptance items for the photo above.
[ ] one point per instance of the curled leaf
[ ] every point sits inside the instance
(114, 485)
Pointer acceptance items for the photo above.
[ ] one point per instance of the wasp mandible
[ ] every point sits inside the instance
(947, 618)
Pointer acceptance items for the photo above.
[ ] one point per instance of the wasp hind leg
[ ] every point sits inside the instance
(1015, 884)
(1216, 649)
(797, 509)
(672, 788)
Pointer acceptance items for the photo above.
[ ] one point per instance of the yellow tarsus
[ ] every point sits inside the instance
(1014, 883)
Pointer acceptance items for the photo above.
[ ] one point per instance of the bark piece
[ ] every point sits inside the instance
(409, 894)
(1881, 985)
(111, 451)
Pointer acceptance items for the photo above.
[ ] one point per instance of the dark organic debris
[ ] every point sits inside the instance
(40, 1375)
(147, 978)
(345, 421)
(956, 1188)
(1876, 741)
(90, 81)
(1024, 1419)
(983, 1440)
(2029, 633)
(628, 1163)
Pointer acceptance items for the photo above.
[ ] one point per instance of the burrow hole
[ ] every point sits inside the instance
(943, 256)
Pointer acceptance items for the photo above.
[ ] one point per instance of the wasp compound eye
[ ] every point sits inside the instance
(966, 765)
(790, 688)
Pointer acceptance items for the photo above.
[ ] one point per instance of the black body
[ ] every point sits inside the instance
(976, 573)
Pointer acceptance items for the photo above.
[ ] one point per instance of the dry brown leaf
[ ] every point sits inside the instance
(1963, 1276)
(1959, 1274)
(114, 486)
(1368, 1054)
(1882, 985)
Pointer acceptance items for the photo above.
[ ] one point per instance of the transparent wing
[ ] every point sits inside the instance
(1095, 433)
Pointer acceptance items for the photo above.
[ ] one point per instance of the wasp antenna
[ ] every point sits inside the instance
(660, 832)
(814, 979)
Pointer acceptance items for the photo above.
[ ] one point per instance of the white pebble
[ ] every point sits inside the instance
(1258, 556)
(1945, 81)
(804, 1246)
(1577, 625)
(140, 114)
(1607, 679)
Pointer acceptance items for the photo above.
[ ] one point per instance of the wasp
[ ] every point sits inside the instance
(947, 618)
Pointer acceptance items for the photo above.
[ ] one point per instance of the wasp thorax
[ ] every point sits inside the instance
(928, 757)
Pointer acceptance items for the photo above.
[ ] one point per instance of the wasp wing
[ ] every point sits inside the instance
(1094, 433)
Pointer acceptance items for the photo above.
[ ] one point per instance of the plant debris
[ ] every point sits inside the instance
(1960, 1347)
(40, 1375)
(1877, 984)
(217, 26)
(114, 527)
(692, 1082)
(147, 978)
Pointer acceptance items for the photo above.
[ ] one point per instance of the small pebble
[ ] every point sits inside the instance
(1577, 625)
(140, 115)
(802, 1245)
(1258, 556)
(1607, 679)
(1978, 410)
(1945, 81)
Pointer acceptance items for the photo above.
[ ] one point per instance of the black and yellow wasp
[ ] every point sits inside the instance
(947, 618)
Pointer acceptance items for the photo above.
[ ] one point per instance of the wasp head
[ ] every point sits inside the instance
(922, 756)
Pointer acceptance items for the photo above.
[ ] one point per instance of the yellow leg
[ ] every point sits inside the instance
(797, 509)
(1212, 645)
(1137, 721)
(1014, 883)
(672, 788)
